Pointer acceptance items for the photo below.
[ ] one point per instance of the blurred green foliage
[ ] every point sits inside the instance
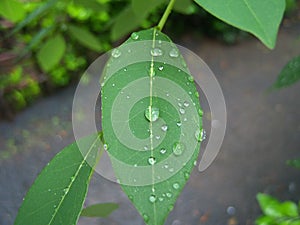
(55, 40)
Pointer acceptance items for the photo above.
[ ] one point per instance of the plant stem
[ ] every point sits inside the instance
(165, 15)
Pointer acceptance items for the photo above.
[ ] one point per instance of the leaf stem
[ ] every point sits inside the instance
(165, 15)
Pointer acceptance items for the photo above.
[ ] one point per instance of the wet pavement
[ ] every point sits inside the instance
(263, 131)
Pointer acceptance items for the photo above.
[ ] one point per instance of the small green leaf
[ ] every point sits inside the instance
(261, 18)
(34, 15)
(125, 22)
(144, 8)
(269, 205)
(295, 163)
(290, 74)
(185, 7)
(51, 53)
(12, 10)
(264, 220)
(58, 193)
(36, 40)
(85, 37)
(151, 122)
(289, 208)
(99, 210)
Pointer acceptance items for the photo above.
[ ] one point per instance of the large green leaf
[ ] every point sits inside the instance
(261, 18)
(51, 53)
(99, 210)
(151, 122)
(12, 10)
(85, 37)
(290, 74)
(58, 193)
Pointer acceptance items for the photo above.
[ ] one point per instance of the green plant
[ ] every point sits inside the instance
(58, 193)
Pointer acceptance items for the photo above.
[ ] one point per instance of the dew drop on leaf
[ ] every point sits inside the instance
(164, 127)
(176, 186)
(186, 175)
(151, 160)
(178, 148)
(160, 68)
(152, 198)
(178, 124)
(200, 112)
(116, 53)
(163, 151)
(186, 104)
(134, 36)
(200, 135)
(145, 217)
(182, 110)
(105, 146)
(173, 53)
(191, 78)
(169, 194)
(156, 52)
(151, 113)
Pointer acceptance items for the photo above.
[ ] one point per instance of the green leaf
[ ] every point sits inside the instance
(289, 75)
(85, 37)
(34, 15)
(143, 8)
(289, 208)
(261, 18)
(51, 53)
(295, 163)
(269, 205)
(153, 153)
(264, 220)
(99, 210)
(125, 22)
(36, 40)
(58, 193)
(12, 10)
(185, 7)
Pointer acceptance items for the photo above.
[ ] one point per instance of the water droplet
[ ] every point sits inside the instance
(134, 36)
(152, 198)
(191, 78)
(160, 199)
(125, 69)
(130, 197)
(160, 68)
(116, 53)
(190, 92)
(164, 127)
(49, 189)
(113, 85)
(163, 151)
(178, 148)
(167, 94)
(182, 110)
(54, 206)
(135, 165)
(105, 146)
(186, 104)
(200, 112)
(186, 175)
(145, 217)
(171, 170)
(128, 97)
(178, 124)
(195, 163)
(179, 104)
(174, 53)
(156, 52)
(151, 160)
(66, 190)
(152, 113)
(197, 94)
(169, 194)
(157, 137)
(200, 135)
(230, 210)
(146, 148)
(166, 166)
(176, 186)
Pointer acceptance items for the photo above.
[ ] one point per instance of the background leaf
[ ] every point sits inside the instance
(290, 74)
(58, 193)
(261, 18)
(294, 162)
(85, 37)
(152, 177)
(12, 10)
(51, 52)
(143, 8)
(99, 210)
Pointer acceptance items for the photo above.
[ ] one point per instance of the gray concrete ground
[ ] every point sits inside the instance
(263, 131)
